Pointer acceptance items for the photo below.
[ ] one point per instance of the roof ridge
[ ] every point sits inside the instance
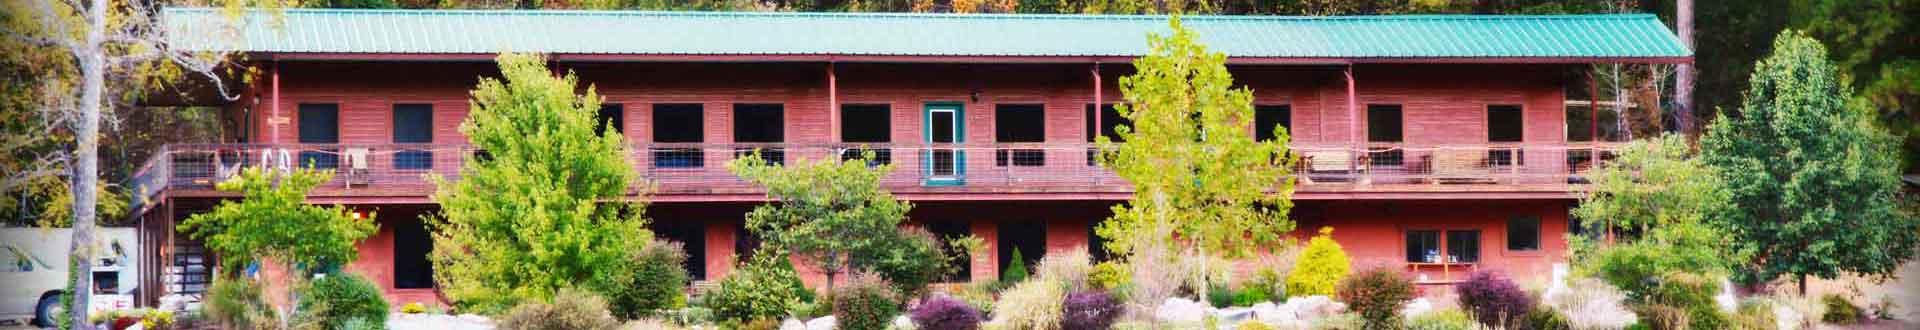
(1118, 17)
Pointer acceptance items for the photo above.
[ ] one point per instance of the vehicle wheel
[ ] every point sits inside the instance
(43, 312)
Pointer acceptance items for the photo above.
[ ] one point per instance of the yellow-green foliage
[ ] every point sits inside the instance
(1253, 325)
(1031, 305)
(1321, 267)
(413, 308)
(1109, 275)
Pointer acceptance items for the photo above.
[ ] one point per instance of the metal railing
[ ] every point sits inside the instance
(696, 167)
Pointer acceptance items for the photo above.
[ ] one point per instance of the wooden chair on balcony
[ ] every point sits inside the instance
(358, 168)
(1333, 162)
(1459, 166)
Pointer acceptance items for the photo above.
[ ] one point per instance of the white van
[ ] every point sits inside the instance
(33, 268)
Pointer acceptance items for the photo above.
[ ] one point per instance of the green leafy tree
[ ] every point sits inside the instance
(272, 221)
(544, 207)
(1200, 180)
(1818, 183)
(825, 210)
(1655, 207)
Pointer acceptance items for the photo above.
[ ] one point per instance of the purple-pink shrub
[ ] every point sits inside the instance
(1495, 300)
(945, 313)
(1089, 310)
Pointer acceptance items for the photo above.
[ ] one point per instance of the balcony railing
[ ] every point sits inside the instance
(697, 168)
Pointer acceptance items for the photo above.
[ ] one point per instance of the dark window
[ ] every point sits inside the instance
(1463, 246)
(611, 116)
(946, 231)
(1423, 246)
(745, 243)
(760, 123)
(1019, 123)
(411, 245)
(678, 123)
(692, 235)
(866, 123)
(1266, 117)
(1503, 123)
(1027, 236)
(320, 124)
(1110, 119)
(1097, 245)
(413, 123)
(1523, 233)
(1384, 126)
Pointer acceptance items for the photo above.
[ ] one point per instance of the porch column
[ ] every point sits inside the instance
(833, 105)
(985, 264)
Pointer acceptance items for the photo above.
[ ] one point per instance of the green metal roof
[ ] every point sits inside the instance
(340, 31)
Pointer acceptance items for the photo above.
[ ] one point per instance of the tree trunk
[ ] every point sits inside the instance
(1683, 73)
(85, 175)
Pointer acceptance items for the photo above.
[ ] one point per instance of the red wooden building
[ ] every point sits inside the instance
(1441, 144)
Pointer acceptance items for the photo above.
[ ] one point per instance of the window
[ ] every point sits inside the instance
(760, 123)
(1109, 121)
(1266, 117)
(867, 123)
(611, 116)
(1463, 246)
(1384, 126)
(1503, 126)
(411, 245)
(320, 124)
(14, 261)
(412, 123)
(1523, 233)
(1019, 123)
(1583, 123)
(1423, 246)
(678, 123)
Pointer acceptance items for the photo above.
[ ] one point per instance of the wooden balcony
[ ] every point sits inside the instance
(696, 172)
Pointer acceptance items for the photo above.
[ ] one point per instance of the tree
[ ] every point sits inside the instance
(543, 206)
(825, 211)
(1819, 188)
(1201, 182)
(1657, 209)
(272, 221)
(107, 53)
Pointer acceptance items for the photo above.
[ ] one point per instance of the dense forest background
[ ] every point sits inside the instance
(1873, 42)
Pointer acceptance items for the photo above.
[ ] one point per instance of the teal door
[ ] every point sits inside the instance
(943, 163)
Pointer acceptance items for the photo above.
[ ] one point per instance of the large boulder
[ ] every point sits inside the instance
(793, 324)
(1271, 313)
(1180, 310)
(902, 322)
(1416, 308)
(1312, 308)
(1726, 299)
(823, 323)
(1233, 315)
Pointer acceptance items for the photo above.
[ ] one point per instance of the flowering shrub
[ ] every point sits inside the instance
(1377, 294)
(1321, 266)
(945, 313)
(1089, 310)
(1494, 300)
(866, 303)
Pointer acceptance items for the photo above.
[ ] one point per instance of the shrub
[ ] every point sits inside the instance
(1070, 267)
(413, 308)
(945, 313)
(1693, 295)
(1270, 282)
(1839, 310)
(1591, 304)
(1494, 300)
(655, 280)
(1755, 314)
(1321, 266)
(763, 288)
(1544, 319)
(571, 309)
(361, 323)
(347, 296)
(1089, 310)
(866, 303)
(1451, 319)
(1219, 295)
(1109, 275)
(1665, 317)
(1250, 294)
(237, 304)
(1342, 321)
(1377, 294)
(980, 295)
(157, 320)
(1031, 305)
(1017, 270)
(910, 262)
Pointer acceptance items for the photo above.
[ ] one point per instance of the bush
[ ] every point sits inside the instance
(1070, 267)
(865, 303)
(1035, 305)
(910, 262)
(1251, 294)
(763, 288)
(1220, 296)
(1691, 294)
(1109, 275)
(980, 295)
(1755, 314)
(1839, 310)
(360, 323)
(1090, 310)
(655, 280)
(1590, 303)
(347, 296)
(571, 309)
(1545, 319)
(413, 308)
(1342, 321)
(945, 313)
(1451, 319)
(157, 320)
(1016, 271)
(1268, 282)
(1321, 266)
(1494, 300)
(1377, 294)
(237, 304)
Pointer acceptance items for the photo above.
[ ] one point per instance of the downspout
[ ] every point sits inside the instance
(1099, 104)
(1353, 114)
(833, 104)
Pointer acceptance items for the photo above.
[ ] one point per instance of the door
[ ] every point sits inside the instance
(943, 162)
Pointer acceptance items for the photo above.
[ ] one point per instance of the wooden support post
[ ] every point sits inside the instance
(275, 120)
(833, 104)
(1099, 104)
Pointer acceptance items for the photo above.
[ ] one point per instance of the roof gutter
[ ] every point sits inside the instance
(749, 58)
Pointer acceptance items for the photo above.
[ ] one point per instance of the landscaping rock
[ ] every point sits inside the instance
(1180, 310)
(902, 322)
(1311, 308)
(1288, 324)
(1270, 313)
(438, 322)
(1725, 298)
(793, 324)
(1233, 315)
(1417, 307)
(823, 323)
